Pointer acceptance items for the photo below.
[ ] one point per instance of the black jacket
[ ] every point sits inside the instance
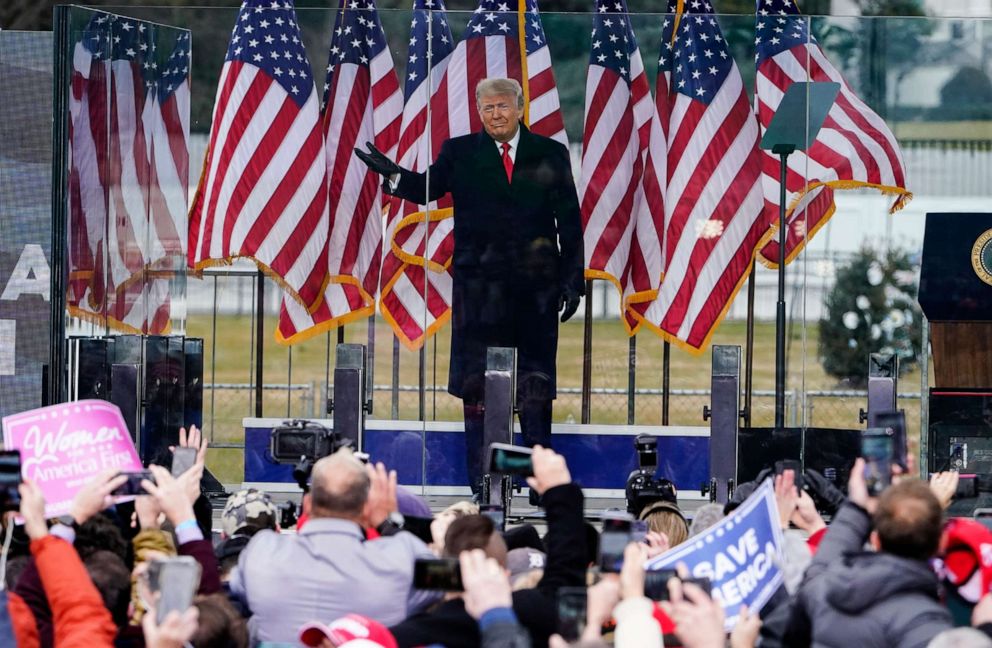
(536, 609)
(855, 598)
(516, 245)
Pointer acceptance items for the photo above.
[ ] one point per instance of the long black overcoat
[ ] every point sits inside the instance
(517, 244)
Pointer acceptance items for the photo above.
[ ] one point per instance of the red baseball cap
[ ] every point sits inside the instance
(967, 560)
(351, 631)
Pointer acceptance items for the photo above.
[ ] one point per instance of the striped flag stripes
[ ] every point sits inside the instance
(362, 103)
(621, 190)
(415, 295)
(854, 148)
(714, 210)
(263, 190)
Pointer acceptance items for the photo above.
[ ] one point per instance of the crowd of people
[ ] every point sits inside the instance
(890, 570)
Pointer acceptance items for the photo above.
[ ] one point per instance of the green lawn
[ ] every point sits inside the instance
(230, 361)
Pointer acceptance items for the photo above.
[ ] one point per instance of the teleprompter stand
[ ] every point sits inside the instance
(793, 128)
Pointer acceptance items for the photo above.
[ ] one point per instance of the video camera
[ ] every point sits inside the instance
(643, 488)
(301, 443)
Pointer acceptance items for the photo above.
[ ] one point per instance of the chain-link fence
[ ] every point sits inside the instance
(624, 385)
(227, 404)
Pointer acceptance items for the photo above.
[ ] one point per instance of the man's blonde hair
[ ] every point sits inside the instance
(498, 86)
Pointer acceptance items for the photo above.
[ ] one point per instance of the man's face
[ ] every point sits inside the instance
(500, 116)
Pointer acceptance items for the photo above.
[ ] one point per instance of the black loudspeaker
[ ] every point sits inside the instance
(760, 448)
(164, 395)
(128, 349)
(829, 451)
(89, 368)
(125, 393)
(193, 383)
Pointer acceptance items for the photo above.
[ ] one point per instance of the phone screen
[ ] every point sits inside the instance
(182, 460)
(615, 537)
(896, 422)
(443, 574)
(173, 582)
(877, 449)
(611, 546)
(495, 513)
(571, 612)
(511, 460)
(656, 583)
(10, 479)
(133, 484)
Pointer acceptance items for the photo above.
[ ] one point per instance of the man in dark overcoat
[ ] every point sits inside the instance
(517, 257)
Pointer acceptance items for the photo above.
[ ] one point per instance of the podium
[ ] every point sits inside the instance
(956, 296)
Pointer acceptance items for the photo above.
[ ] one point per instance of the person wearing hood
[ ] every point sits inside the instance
(887, 596)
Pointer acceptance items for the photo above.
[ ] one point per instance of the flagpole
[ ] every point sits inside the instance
(783, 151)
(666, 362)
(749, 362)
(522, 41)
(422, 356)
(586, 414)
(259, 346)
(666, 379)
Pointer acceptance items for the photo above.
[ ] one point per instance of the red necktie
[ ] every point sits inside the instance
(507, 161)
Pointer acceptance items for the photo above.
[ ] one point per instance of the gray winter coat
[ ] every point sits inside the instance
(866, 599)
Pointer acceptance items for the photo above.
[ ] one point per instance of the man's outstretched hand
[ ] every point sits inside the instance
(568, 303)
(377, 161)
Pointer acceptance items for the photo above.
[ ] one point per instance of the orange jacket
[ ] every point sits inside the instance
(78, 614)
(22, 619)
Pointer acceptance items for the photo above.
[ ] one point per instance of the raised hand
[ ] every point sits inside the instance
(377, 160)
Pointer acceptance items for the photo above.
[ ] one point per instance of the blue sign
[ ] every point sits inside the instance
(741, 555)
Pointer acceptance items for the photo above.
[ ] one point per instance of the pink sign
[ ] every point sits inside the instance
(64, 446)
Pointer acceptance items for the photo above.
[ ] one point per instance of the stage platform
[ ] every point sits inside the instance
(430, 461)
(430, 457)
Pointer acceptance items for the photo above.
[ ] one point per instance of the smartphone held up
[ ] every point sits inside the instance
(878, 449)
(10, 480)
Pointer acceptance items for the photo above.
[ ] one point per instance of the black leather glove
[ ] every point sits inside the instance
(568, 303)
(377, 161)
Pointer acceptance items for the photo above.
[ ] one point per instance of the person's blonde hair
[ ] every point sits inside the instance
(461, 508)
(498, 86)
(665, 517)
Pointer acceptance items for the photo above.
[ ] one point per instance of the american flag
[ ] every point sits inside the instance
(124, 242)
(621, 191)
(129, 242)
(142, 307)
(263, 191)
(714, 210)
(362, 103)
(88, 120)
(853, 149)
(414, 299)
(166, 120)
(494, 45)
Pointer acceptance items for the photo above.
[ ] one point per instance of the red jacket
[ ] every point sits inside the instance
(78, 613)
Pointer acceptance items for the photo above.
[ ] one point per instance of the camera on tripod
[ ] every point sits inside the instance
(301, 443)
(643, 488)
